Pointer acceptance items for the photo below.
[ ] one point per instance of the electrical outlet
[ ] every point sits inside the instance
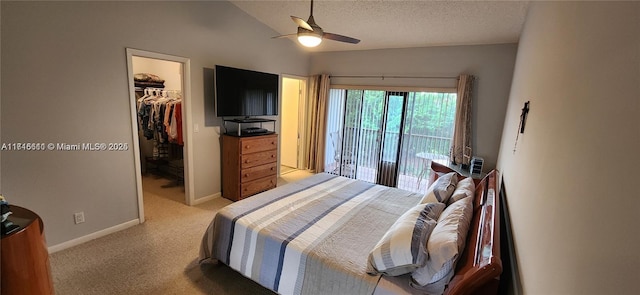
(78, 217)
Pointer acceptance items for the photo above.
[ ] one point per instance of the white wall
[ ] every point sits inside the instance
(572, 183)
(64, 78)
(492, 64)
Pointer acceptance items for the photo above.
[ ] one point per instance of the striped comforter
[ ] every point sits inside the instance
(308, 237)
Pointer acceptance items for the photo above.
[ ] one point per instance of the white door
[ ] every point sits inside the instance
(289, 143)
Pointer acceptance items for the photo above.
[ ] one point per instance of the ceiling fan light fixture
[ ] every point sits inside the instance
(309, 40)
(311, 35)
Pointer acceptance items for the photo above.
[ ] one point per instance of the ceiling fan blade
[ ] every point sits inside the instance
(340, 38)
(284, 36)
(301, 23)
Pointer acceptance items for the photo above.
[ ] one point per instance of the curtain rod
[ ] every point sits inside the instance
(391, 77)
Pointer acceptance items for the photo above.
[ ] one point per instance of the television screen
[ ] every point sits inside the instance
(245, 93)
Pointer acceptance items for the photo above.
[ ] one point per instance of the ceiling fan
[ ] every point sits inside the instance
(310, 34)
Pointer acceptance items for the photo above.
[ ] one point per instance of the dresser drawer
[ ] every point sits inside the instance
(259, 144)
(260, 158)
(257, 186)
(254, 173)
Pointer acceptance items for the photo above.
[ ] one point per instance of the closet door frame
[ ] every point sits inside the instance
(186, 126)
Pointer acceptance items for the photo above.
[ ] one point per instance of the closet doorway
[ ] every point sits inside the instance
(159, 95)
(292, 123)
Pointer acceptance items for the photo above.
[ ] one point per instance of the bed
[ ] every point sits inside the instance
(315, 236)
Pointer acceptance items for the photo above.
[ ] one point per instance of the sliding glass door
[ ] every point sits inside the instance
(388, 137)
(427, 133)
(354, 122)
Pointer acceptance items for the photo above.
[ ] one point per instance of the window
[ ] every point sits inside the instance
(388, 137)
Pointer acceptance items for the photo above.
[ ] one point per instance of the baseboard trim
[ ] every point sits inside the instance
(92, 236)
(199, 201)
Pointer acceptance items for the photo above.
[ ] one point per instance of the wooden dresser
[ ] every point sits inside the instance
(25, 259)
(249, 165)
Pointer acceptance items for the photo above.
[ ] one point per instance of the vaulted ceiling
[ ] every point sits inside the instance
(396, 23)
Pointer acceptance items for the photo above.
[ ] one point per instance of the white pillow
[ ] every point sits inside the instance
(441, 189)
(402, 248)
(444, 246)
(465, 188)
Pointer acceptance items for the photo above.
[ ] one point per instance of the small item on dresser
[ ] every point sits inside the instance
(7, 225)
(254, 130)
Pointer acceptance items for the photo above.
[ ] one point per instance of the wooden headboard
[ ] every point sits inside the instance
(478, 269)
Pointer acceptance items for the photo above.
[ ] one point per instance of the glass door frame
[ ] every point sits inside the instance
(383, 176)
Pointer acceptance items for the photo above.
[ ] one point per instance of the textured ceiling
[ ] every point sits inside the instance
(396, 24)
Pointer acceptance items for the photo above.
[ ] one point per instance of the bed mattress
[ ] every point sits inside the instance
(308, 237)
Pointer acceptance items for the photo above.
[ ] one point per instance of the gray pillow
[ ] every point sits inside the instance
(465, 188)
(442, 189)
(444, 246)
(402, 249)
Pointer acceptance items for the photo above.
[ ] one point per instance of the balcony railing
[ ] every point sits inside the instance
(364, 156)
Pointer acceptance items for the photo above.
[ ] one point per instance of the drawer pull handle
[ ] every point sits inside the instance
(246, 175)
(271, 168)
(273, 156)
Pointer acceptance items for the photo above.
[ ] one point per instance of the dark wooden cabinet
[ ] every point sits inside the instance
(25, 259)
(249, 165)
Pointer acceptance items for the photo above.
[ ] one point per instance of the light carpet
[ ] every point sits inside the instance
(156, 257)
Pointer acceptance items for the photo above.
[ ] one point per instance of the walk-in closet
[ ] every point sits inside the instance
(158, 88)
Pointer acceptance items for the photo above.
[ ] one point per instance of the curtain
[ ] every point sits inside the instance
(461, 145)
(316, 127)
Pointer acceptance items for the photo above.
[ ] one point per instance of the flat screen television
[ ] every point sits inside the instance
(245, 93)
